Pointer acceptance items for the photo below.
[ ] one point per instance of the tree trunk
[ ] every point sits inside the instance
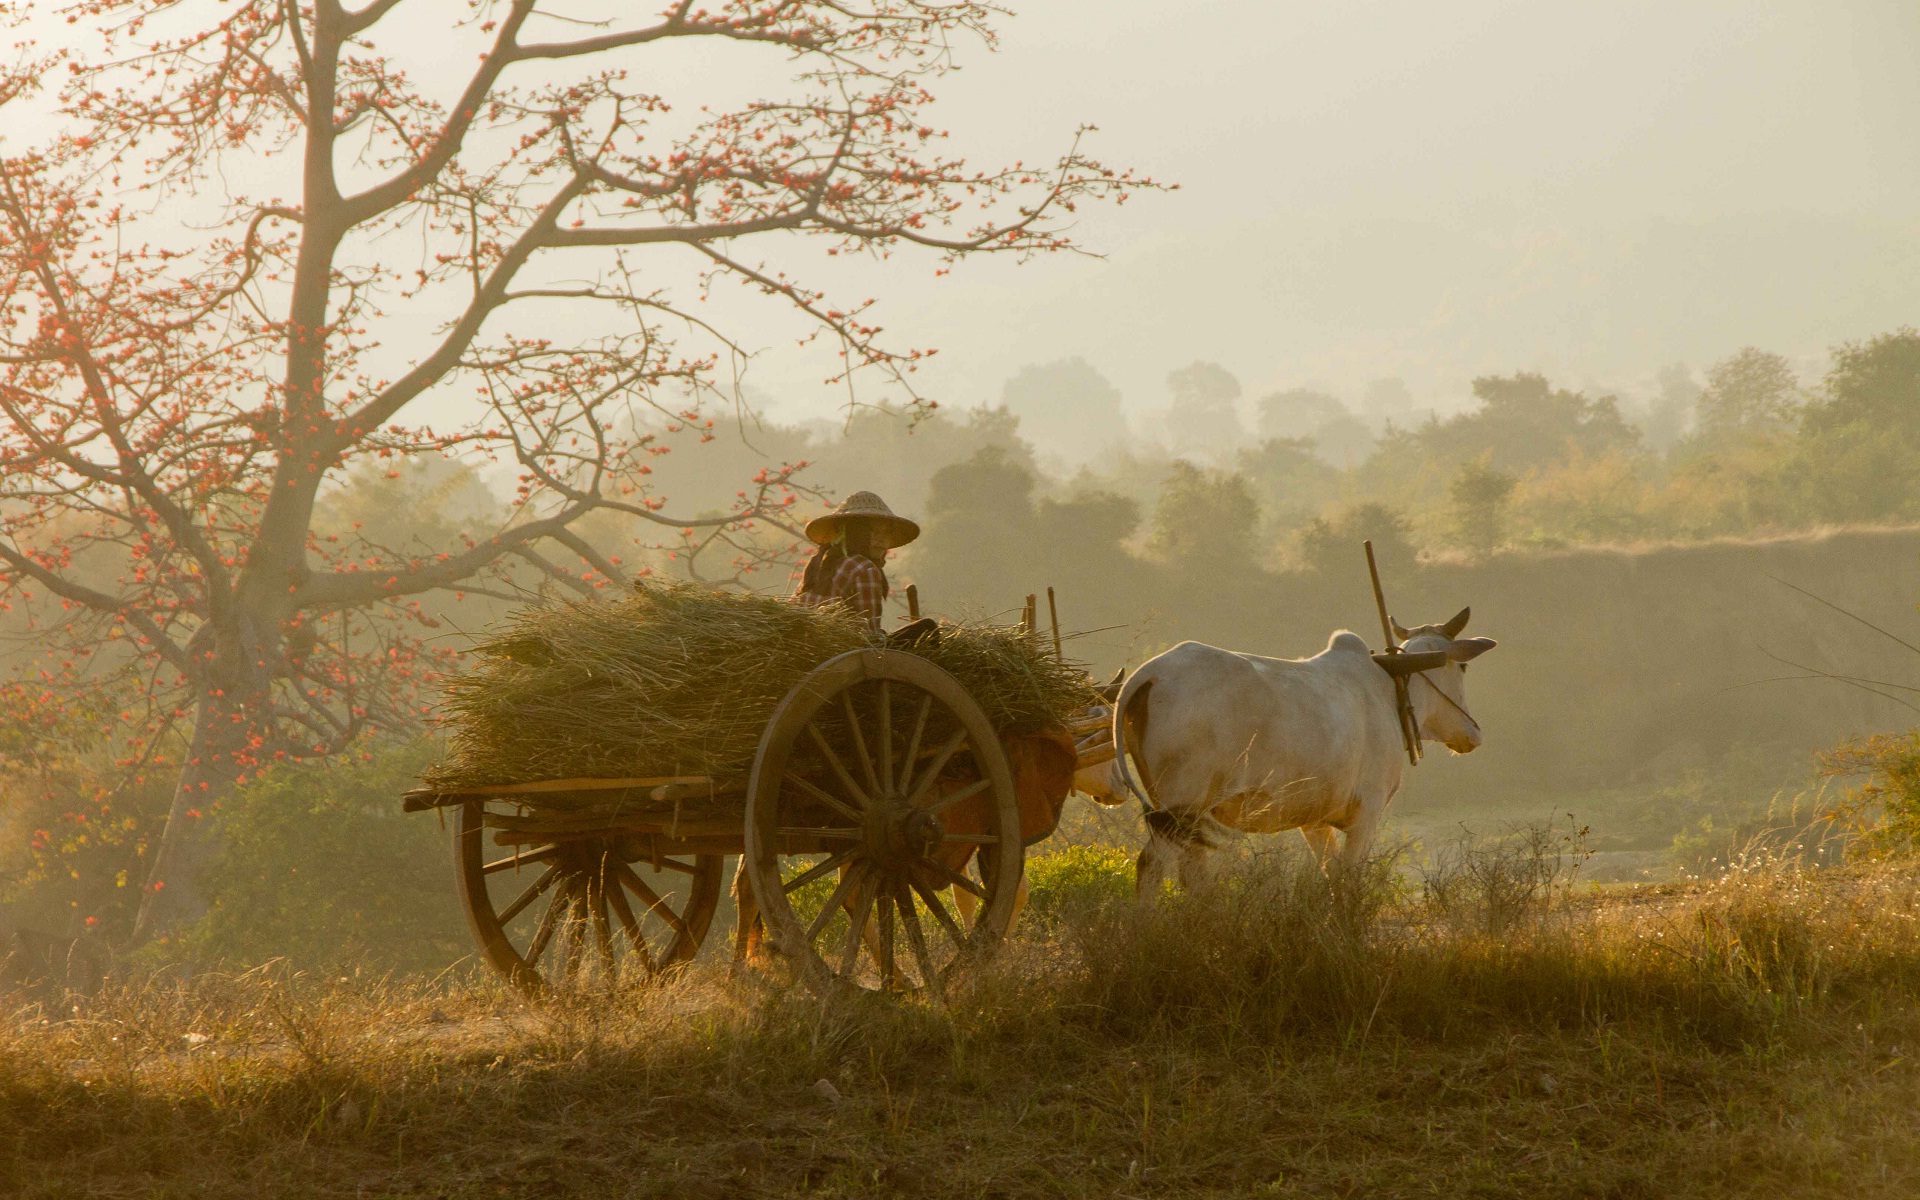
(172, 898)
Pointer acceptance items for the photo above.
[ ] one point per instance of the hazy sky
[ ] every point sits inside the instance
(1395, 188)
(1439, 190)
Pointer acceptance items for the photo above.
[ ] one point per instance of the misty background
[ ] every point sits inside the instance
(1428, 193)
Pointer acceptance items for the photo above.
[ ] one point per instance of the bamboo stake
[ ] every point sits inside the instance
(1402, 713)
(1053, 611)
(1027, 618)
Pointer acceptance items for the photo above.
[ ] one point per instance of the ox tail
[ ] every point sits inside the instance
(1130, 710)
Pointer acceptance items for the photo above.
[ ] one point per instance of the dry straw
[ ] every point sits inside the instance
(681, 680)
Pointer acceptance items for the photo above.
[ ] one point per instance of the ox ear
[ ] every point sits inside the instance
(1407, 663)
(1452, 628)
(1398, 632)
(1468, 649)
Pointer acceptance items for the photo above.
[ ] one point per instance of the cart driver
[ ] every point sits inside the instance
(849, 566)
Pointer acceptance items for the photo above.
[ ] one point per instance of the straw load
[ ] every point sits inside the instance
(682, 680)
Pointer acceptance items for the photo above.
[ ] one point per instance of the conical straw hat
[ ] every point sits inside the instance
(866, 505)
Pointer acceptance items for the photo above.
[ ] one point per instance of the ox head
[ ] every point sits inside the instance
(1440, 703)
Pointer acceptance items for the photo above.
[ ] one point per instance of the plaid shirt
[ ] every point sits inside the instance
(860, 585)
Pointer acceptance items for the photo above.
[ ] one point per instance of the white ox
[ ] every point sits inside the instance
(1260, 745)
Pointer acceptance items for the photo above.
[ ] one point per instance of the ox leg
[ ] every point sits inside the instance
(1360, 834)
(1176, 848)
(964, 901)
(1320, 840)
(749, 935)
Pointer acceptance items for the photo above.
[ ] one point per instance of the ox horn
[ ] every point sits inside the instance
(1408, 663)
(1398, 631)
(1452, 628)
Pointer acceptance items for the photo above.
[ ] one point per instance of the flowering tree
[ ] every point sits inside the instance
(267, 246)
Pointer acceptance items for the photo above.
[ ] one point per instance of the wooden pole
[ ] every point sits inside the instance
(1027, 617)
(1402, 709)
(1380, 599)
(1053, 611)
(913, 602)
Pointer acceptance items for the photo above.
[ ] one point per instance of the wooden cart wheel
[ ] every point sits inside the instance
(568, 911)
(878, 782)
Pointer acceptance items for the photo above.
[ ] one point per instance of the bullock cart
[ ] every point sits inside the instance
(882, 826)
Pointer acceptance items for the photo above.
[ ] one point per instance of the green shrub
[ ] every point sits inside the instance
(317, 864)
(1079, 876)
(1885, 807)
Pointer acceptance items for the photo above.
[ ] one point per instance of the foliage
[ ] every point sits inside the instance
(1480, 495)
(1885, 805)
(316, 863)
(1523, 421)
(82, 797)
(1067, 405)
(1751, 391)
(1874, 383)
(1205, 520)
(1204, 418)
(1332, 544)
(1290, 478)
(1298, 413)
(1078, 878)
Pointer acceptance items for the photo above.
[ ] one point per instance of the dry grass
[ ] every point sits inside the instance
(1272, 1035)
(681, 680)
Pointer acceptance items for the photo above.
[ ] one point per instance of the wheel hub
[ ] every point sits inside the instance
(898, 834)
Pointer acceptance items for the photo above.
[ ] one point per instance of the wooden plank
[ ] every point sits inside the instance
(683, 847)
(1093, 756)
(656, 823)
(540, 786)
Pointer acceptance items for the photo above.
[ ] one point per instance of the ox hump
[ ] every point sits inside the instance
(1349, 642)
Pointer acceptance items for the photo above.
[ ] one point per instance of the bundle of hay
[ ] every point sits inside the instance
(681, 680)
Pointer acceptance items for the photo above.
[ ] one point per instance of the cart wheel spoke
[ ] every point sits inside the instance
(650, 899)
(913, 743)
(889, 977)
(839, 768)
(932, 774)
(617, 897)
(886, 735)
(938, 908)
(575, 934)
(818, 869)
(916, 937)
(823, 796)
(543, 854)
(597, 912)
(957, 878)
(943, 803)
(849, 880)
(860, 751)
(856, 929)
(561, 900)
(674, 864)
(532, 893)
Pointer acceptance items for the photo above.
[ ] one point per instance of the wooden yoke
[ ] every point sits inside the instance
(1403, 708)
